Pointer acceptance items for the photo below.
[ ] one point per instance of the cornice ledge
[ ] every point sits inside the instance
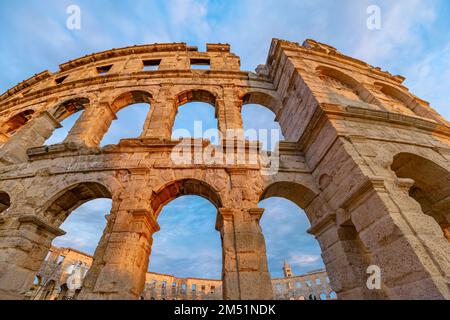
(322, 224)
(32, 219)
(371, 183)
(147, 218)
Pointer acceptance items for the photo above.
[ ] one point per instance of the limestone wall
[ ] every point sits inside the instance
(367, 160)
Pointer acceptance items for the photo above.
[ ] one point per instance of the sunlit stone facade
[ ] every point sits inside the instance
(367, 160)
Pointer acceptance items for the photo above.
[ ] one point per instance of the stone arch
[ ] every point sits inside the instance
(393, 92)
(196, 95)
(206, 96)
(312, 296)
(5, 201)
(301, 195)
(345, 84)
(71, 197)
(182, 187)
(17, 121)
(396, 99)
(66, 113)
(119, 103)
(431, 188)
(339, 75)
(177, 188)
(131, 97)
(262, 98)
(69, 107)
(264, 104)
(306, 198)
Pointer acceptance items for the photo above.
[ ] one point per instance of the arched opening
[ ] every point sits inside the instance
(259, 120)
(63, 292)
(5, 201)
(184, 187)
(284, 225)
(263, 99)
(431, 187)
(131, 109)
(337, 75)
(65, 202)
(344, 88)
(394, 99)
(80, 211)
(186, 256)
(49, 290)
(16, 122)
(67, 113)
(196, 116)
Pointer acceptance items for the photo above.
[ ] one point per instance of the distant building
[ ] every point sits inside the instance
(287, 271)
(62, 274)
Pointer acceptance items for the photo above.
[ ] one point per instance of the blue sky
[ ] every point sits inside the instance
(414, 41)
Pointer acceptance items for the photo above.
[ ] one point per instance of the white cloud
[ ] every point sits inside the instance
(429, 78)
(303, 260)
(187, 16)
(400, 22)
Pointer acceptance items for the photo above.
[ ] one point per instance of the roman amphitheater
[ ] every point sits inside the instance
(368, 162)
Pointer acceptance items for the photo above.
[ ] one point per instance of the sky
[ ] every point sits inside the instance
(413, 40)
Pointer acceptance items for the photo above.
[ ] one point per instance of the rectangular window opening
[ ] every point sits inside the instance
(103, 70)
(151, 65)
(202, 64)
(60, 259)
(60, 80)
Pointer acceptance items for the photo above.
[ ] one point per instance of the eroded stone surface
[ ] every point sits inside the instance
(367, 160)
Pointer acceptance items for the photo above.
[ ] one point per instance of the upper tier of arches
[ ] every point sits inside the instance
(119, 77)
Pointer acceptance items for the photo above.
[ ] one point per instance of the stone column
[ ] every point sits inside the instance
(24, 242)
(161, 116)
(92, 125)
(407, 245)
(121, 260)
(33, 134)
(245, 272)
(345, 257)
(228, 111)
